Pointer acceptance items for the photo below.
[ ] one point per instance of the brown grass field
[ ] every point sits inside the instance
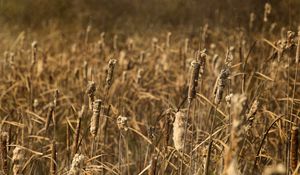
(101, 94)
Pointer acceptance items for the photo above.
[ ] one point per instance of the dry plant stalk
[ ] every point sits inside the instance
(298, 49)
(77, 164)
(53, 161)
(178, 130)
(77, 130)
(294, 148)
(3, 149)
(49, 116)
(95, 118)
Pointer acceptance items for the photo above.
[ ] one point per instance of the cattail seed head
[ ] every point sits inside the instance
(95, 118)
(110, 72)
(122, 123)
(18, 160)
(294, 148)
(267, 11)
(34, 46)
(178, 130)
(195, 66)
(91, 89)
(221, 85)
(3, 153)
(252, 112)
(77, 164)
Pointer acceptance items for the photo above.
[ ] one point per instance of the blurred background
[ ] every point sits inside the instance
(139, 15)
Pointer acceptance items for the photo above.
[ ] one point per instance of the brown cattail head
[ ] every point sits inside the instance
(252, 19)
(122, 123)
(91, 89)
(252, 112)
(221, 85)
(77, 164)
(115, 43)
(267, 11)
(169, 34)
(195, 67)
(110, 72)
(34, 46)
(178, 130)
(3, 149)
(18, 160)
(298, 49)
(95, 118)
(294, 148)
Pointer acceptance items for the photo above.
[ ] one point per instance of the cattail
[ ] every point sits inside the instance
(186, 46)
(154, 45)
(122, 123)
(85, 70)
(178, 130)
(95, 117)
(221, 85)
(115, 43)
(110, 72)
(56, 93)
(11, 60)
(195, 66)
(124, 76)
(252, 112)
(34, 47)
(267, 11)
(77, 164)
(18, 159)
(102, 36)
(88, 30)
(139, 76)
(3, 149)
(202, 63)
(91, 89)
(298, 49)
(252, 19)
(169, 34)
(130, 44)
(142, 57)
(77, 130)
(53, 164)
(294, 148)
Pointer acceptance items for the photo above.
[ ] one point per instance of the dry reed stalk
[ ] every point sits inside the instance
(49, 116)
(77, 130)
(294, 148)
(53, 161)
(77, 164)
(298, 49)
(3, 149)
(18, 159)
(95, 118)
(91, 89)
(153, 167)
(252, 112)
(178, 130)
